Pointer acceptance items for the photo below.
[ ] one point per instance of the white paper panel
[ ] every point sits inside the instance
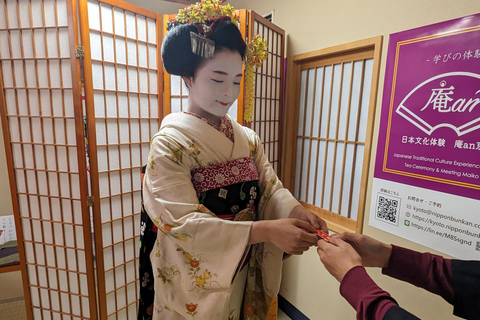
(154, 107)
(143, 80)
(7, 74)
(62, 16)
(3, 21)
(131, 28)
(99, 104)
(108, 48)
(141, 28)
(132, 80)
(134, 107)
(37, 14)
(25, 131)
(152, 75)
(112, 132)
(114, 164)
(134, 132)
(152, 32)
(95, 45)
(119, 21)
(135, 153)
(357, 78)
(102, 159)
(104, 203)
(50, 14)
(110, 83)
(106, 18)
(4, 46)
(326, 101)
(126, 180)
(298, 173)
(18, 67)
(22, 102)
(337, 70)
(142, 55)
(54, 70)
(101, 132)
(132, 53)
(111, 104)
(31, 74)
(12, 14)
(93, 15)
(97, 75)
(122, 101)
(120, 50)
(122, 78)
(365, 99)
(152, 57)
(356, 182)
(125, 156)
(301, 107)
(104, 187)
(344, 103)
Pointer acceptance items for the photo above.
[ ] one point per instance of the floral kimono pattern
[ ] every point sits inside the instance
(203, 192)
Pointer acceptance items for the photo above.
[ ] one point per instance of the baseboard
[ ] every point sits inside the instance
(290, 310)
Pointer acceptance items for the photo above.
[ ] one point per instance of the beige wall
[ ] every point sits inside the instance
(317, 24)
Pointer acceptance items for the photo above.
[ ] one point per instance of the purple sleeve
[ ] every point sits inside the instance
(363, 294)
(425, 270)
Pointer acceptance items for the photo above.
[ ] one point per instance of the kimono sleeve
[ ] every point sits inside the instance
(188, 229)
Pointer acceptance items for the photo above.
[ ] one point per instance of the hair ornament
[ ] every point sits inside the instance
(255, 54)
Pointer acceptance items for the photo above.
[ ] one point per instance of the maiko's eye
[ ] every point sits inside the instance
(236, 83)
(217, 81)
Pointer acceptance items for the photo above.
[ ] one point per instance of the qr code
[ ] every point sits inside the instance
(478, 246)
(388, 209)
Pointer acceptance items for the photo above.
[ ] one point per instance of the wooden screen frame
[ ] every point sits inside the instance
(71, 7)
(367, 48)
(92, 136)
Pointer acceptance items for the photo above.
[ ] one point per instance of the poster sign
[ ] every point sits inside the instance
(427, 173)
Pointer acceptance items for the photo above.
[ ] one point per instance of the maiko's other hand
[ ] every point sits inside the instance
(299, 212)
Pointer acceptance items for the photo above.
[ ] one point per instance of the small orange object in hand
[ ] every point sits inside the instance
(323, 235)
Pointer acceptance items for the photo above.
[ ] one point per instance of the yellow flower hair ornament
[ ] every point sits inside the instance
(255, 54)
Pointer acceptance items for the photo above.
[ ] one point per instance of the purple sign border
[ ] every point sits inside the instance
(442, 29)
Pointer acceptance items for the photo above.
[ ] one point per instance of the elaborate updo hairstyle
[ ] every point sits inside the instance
(178, 58)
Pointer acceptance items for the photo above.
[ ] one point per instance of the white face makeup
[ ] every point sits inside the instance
(216, 85)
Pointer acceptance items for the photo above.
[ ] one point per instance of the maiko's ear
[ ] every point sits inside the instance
(188, 81)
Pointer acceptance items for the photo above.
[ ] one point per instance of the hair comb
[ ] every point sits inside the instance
(202, 46)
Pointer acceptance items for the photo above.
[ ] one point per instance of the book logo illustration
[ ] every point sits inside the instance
(453, 102)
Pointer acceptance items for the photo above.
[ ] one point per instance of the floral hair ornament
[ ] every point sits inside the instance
(255, 54)
(205, 16)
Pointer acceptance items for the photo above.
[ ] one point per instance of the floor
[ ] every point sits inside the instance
(13, 310)
(282, 316)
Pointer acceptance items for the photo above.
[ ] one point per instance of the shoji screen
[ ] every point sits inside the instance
(176, 92)
(268, 116)
(335, 103)
(122, 88)
(43, 130)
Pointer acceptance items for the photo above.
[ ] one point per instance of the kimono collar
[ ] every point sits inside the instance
(197, 129)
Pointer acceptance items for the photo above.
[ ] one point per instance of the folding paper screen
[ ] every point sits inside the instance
(268, 117)
(41, 119)
(122, 98)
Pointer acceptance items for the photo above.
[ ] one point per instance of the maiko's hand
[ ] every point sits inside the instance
(299, 212)
(290, 235)
(338, 257)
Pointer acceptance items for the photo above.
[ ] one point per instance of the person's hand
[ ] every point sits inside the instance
(293, 236)
(299, 212)
(338, 257)
(373, 252)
